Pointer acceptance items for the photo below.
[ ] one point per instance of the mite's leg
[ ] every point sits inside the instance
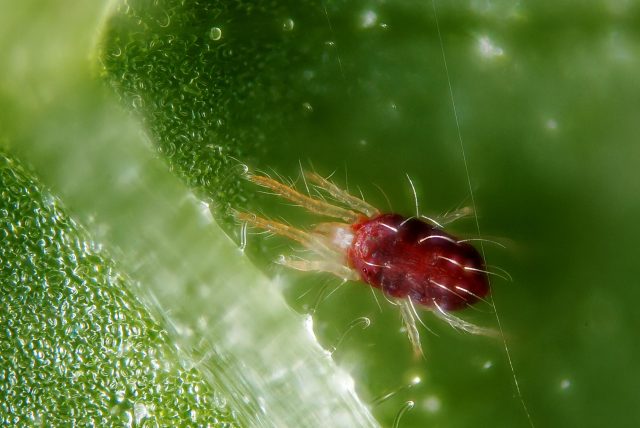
(311, 204)
(333, 267)
(452, 216)
(342, 196)
(409, 317)
(461, 324)
(306, 239)
(332, 262)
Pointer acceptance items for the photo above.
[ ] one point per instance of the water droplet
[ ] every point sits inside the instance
(488, 49)
(140, 412)
(288, 24)
(432, 404)
(368, 19)
(308, 108)
(215, 33)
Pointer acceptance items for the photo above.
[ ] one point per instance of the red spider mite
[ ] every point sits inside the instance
(412, 261)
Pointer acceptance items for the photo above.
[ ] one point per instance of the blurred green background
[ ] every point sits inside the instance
(546, 96)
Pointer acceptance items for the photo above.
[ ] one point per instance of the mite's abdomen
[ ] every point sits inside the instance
(411, 258)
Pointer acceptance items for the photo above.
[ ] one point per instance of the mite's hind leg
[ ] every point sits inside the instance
(452, 216)
(342, 196)
(459, 323)
(313, 205)
(410, 319)
(333, 267)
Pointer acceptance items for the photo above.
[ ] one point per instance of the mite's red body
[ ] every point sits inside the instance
(408, 258)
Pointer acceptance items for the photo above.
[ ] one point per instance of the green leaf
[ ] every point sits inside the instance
(216, 308)
(78, 347)
(545, 96)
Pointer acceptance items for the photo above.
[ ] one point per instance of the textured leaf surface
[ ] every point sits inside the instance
(77, 346)
(215, 305)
